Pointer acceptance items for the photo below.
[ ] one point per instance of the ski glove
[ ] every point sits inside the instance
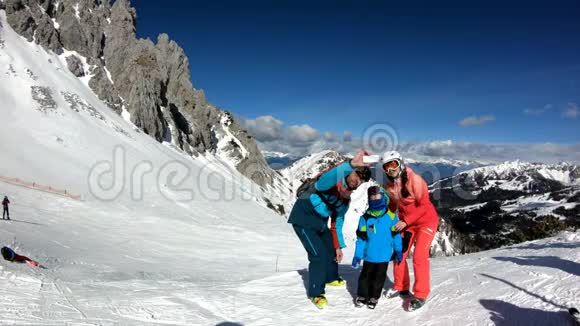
(398, 257)
(356, 262)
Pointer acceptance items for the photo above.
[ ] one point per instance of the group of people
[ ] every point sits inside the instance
(400, 216)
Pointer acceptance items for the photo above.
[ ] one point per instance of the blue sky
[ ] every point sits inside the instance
(339, 66)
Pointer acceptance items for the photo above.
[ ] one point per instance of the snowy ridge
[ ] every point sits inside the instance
(228, 143)
(274, 154)
(536, 179)
(278, 160)
(564, 173)
(509, 202)
(513, 176)
(310, 166)
(443, 161)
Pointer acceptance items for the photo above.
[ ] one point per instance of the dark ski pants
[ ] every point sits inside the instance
(322, 267)
(6, 212)
(372, 279)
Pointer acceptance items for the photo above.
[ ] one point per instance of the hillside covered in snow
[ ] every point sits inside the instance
(147, 83)
(114, 264)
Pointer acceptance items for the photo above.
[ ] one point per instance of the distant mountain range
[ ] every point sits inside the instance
(279, 161)
(510, 202)
(431, 170)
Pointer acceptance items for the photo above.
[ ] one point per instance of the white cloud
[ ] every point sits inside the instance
(538, 112)
(476, 121)
(540, 152)
(302, 135)
(272, 135)
(303, 140)
(347, 136)
(571, 112)
(264, 128)
(330, 137)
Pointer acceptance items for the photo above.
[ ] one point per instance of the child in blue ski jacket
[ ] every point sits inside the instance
(375, 244)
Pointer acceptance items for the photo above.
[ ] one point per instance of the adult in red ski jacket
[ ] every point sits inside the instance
(418, 223)
(6, 211)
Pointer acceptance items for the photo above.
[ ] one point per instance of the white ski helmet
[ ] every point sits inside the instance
(393, 156)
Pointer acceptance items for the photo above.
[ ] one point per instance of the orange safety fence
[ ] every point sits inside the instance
(36, 186)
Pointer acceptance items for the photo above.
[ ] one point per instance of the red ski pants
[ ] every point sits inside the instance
(421, 238)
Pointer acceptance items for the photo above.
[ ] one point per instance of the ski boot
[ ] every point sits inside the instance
(372, 303)
(392, 293)
(416, 304)
(359, 302)
(320, 302)
(337, 283)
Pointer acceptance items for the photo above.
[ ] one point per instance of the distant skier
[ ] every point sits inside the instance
(323, 198)
(6, 211)
(419, 220)
(375, 243)
(11, 256)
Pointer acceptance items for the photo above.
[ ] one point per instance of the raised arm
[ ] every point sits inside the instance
(331, 177)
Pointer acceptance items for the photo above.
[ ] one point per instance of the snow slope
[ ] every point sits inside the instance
(158, 230)
(109, 266)
(529, 284)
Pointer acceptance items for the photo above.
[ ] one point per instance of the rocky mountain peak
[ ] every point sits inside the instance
(146, 81)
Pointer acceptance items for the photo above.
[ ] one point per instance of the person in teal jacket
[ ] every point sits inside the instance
(376, 242)
(327, 198)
